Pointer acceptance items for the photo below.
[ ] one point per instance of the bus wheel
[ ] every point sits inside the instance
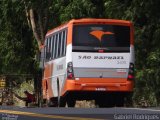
(120, 101)
(50, 103)
(71, 102)
(105, 101)
(62, 102)
(98, 103)
(128, 100)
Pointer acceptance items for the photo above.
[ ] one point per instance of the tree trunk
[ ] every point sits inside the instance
(34, 28)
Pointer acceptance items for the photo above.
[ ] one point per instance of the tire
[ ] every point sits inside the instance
(49, 103)
(105, 101)
(128, 100)
(71, 102)
(120, 100)
(62, 102)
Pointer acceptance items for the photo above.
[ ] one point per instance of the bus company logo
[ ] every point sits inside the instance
(109, 57)
(101, 57)
(98, 34)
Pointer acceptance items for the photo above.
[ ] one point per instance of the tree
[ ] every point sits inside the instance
(147, 24)
(16, 45)
(37, 13)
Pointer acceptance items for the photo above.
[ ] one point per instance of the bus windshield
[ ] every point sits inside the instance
(101, 36)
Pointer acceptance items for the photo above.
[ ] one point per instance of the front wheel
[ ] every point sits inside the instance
(51, 103)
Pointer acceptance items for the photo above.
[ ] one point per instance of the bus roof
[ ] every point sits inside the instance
(90, 21)
(94, 20)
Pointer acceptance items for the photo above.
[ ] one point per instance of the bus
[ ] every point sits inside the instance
(89, 59)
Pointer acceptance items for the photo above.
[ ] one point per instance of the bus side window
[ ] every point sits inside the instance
(54, 50)
(64, 44)
(56, 46)
(51, 46)
(48, 53)
(59, 45)
(46, 50)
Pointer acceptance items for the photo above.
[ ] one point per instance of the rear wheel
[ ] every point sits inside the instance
(120, 102)
(71, 102)
(128, 100)
(119, 99)
(110, 100)
(105, 101)
(62, 102)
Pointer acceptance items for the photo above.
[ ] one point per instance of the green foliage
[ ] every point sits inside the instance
(74, 9)
(77, 9)
(16, 44)
(117, 9)
(19, 90)
(148, 80)
(147, 34)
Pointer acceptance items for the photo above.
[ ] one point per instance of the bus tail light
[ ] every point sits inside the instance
(70, 74)
(131, 72)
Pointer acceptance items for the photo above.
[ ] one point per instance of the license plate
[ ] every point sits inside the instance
(100, 89)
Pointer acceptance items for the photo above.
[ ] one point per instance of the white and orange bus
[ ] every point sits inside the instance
(89, 59)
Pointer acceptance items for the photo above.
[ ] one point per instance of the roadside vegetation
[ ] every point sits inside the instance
(23, 24)
(25, 85)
